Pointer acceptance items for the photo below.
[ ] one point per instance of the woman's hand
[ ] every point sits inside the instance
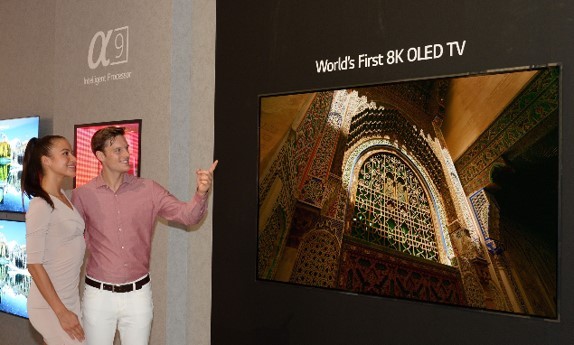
(71, 324)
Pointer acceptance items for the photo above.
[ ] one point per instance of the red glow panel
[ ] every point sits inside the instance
(88, 166)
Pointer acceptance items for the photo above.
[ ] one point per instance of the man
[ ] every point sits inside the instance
(120, 211)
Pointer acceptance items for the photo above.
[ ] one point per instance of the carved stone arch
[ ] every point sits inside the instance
(317, 259)
(400, 211)
(353, 161)
(393, 126)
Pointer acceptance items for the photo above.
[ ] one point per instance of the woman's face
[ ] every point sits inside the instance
(61, 160)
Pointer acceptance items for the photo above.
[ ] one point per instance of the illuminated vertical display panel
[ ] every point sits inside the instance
(419, 190)
(14, 277)
(14, 136)
(88, 166)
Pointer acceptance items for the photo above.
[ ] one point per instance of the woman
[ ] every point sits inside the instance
(54, 241)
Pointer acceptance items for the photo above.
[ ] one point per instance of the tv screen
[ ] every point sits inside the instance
(14, 136)
(14, 277)
(88, 166)
(442, 190)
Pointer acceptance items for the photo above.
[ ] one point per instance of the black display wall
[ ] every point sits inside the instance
(271, 46)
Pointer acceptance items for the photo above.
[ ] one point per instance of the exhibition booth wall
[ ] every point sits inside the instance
(74, 63)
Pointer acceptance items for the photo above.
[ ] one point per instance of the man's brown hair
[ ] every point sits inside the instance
(105, 137)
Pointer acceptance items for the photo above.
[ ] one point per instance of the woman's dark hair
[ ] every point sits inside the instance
(32, 166)
(105, 136)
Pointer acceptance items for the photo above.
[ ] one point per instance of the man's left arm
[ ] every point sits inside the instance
(191, 212)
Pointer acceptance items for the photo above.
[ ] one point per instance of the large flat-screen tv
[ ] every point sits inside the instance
(88, 166)
(14, 277)
(443, 190)
(14, 136)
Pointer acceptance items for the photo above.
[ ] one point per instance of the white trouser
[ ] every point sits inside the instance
(131, 312)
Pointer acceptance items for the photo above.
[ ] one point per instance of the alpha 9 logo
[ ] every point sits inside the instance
(109, 54)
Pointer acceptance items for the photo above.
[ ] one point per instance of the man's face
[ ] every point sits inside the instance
(116, 157)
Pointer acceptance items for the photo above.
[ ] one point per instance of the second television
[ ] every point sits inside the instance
(88, 166)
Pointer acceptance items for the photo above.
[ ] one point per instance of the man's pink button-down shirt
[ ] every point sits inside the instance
(120, 225)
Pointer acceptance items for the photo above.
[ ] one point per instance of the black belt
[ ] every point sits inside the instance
(118, 288)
